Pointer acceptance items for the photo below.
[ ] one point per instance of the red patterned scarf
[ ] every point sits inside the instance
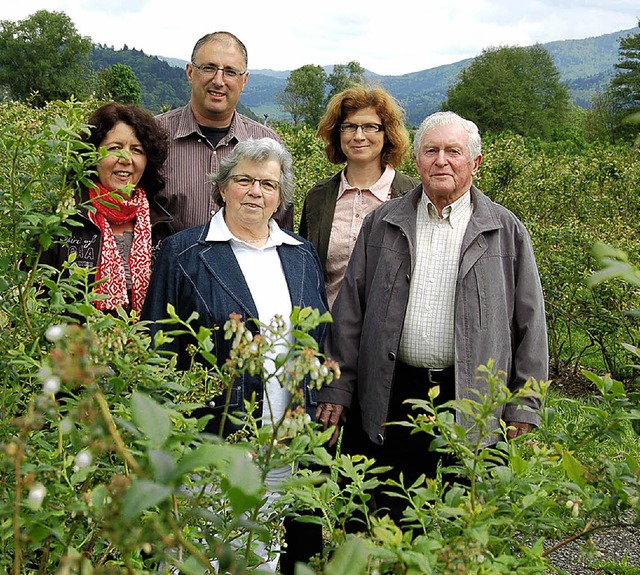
(110, 265)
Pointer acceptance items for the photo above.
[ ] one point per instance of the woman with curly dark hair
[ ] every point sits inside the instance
(121, 224)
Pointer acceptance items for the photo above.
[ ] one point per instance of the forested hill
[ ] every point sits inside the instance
(162, 85)
(585, 65)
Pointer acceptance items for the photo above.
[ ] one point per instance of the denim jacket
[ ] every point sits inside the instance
(196, 275)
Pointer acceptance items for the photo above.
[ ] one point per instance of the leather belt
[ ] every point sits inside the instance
(434, 375)
(438, 375)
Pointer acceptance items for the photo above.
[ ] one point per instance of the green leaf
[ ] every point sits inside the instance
(206, 455)
(243, 483)
(304, 339)
(192, 567)
(573, 468)
(141, 496)
(151, 418)
(351, 558)
(163, 464)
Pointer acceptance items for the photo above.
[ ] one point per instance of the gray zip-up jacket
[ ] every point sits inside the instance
(499, 310)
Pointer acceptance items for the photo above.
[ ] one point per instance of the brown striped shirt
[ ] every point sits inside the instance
(187, 194)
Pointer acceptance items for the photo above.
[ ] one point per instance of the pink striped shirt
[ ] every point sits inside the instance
(187, 194)
(352, 205)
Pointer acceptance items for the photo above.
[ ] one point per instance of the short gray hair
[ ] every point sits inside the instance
(449, 119)
(261, 150)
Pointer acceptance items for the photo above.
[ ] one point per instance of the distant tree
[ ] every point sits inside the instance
(45, 54)
(344, 76)
(624, 90)
(303, 95)
(511, 88)
(162, 85)
(600, 123)
(119, 81)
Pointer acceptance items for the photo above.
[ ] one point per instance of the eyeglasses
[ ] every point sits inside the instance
(246, 183)
(211, 70)
(366, 128)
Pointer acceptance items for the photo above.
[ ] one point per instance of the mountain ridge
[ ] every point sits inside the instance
(585, 65)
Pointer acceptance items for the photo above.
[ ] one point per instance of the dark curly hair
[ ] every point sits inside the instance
(396, 136)
(153, 138)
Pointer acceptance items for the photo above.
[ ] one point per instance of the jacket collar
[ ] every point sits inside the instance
(218, 259)
(483, 217)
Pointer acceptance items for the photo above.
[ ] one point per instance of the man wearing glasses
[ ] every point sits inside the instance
(205, 131)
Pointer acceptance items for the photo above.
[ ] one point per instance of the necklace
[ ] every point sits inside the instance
(258, 240)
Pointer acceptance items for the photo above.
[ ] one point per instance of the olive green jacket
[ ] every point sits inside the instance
(320, 205)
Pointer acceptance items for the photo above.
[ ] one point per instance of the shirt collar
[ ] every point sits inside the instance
(188, 125)
(219, 232)
(454, 213)
(381, 189)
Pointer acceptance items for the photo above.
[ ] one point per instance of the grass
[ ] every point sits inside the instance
(576, 412)
(613, 568)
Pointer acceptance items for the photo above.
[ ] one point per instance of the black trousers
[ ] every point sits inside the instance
(404, 452)
(303, 540)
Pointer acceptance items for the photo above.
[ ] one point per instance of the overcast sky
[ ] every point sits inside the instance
(388, 38)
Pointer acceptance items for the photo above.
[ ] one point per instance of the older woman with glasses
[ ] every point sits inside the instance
(243, 263)
(363, 127)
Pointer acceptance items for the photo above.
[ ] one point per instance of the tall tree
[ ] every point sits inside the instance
(45, 54)
(344, 76)
(511, 88)
(303, 95)
(624, 89)
(600, 122)
(119, 81)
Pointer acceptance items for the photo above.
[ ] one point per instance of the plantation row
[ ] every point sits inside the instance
(102, 472)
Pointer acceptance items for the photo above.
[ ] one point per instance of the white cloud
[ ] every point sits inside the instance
(405, 37)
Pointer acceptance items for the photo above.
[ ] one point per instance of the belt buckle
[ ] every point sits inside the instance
(437, 372)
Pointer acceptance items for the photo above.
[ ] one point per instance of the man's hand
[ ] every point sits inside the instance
(329, 415)
(516, 428)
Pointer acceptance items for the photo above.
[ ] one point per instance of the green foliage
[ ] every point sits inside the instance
(43, 58)
(511, 88)
(119, 83)
(309, 160)
(612, 568)
(509, 500)
(303, 95)
(569, 199)
(600, 125)
(103, 469)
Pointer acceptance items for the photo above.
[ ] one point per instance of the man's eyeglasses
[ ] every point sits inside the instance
(211, 70)
(366, 128)
(246, 183)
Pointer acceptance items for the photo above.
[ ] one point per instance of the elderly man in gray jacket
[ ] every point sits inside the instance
(441, 281)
